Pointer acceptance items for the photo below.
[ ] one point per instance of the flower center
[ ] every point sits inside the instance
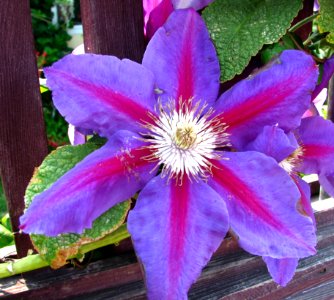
(185, 140)
(185, 137)
(292, 161)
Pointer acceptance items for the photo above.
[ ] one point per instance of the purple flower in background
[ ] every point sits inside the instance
(75, 137)
(163, 116)
(309, 150)
(317, 146)
(319, 94)
(156, 12)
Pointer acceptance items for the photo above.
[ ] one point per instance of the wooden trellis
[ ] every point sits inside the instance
(115, 27)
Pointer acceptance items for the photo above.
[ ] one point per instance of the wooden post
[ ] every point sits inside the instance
(114, 27)
(306, 11)
(330, 99)
(23, 142)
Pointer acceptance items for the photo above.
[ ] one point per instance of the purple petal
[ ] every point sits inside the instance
(183, 59)
(281, 270)
(175, 230)
(316, 5)
(195, 4)
(75, 137)
(326, 76)
(305, 197)
(101, 92)
(158, 17)
(148, 6)
(327, 182)
(316, 136)
(261, 200)
(278, 94)
(106, 177)
(274, 142)
(157, 12)
(313, 110)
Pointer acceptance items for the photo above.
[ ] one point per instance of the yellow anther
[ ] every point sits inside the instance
(185, 137)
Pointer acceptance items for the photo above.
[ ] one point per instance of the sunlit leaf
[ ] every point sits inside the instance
(240, 28)
(56, 250)
(326, 19)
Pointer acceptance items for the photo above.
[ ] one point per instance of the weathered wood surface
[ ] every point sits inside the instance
(114, 27)
(23, 142)
(231, 274)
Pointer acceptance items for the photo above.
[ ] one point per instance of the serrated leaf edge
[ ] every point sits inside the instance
(64, 253)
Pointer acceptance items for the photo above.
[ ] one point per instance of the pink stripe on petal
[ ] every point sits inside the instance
(183, 59)
(120, 103)
(183, 226)
(102, 93)
(257, 105)
(314, 151)
(261, 200)
(278, 94)
(185, 87)
(249, 199)
(124, 164)
(180, 202)
(103, 179)
(316, 137)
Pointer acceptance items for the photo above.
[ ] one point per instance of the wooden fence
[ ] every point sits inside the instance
(115, 27)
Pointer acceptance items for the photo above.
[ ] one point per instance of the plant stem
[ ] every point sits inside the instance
(114, 238)
(28, 263)
(314, 37)
(36, 261)
(303, 22)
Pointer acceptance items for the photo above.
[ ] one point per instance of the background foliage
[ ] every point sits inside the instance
(50, 39)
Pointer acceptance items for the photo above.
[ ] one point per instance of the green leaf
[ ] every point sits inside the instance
(43, 89)
(6, 236)
(56, 250)
(271, 51)
(240, 28)
(5, 221)
(326, 19)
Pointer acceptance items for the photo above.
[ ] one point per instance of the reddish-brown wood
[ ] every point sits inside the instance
(330, 99)
(306, 11)
(231, 274)
(256, 62)
(114, 27)
(22, 135)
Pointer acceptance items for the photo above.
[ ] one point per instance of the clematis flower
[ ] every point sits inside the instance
(317, 150)
(74, 135)
(319, 94)
(170, 138)
(310, 150)
(156, 12)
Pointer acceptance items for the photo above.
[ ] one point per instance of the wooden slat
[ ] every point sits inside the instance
(231, 274)
(114, 27)
(307, 10)
(330, 99)
(22, 135)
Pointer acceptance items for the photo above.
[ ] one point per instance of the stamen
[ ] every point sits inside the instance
(290, 163)
(185, 140)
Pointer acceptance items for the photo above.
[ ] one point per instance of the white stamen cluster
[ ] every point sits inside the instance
(292, 161)
(185, 140)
